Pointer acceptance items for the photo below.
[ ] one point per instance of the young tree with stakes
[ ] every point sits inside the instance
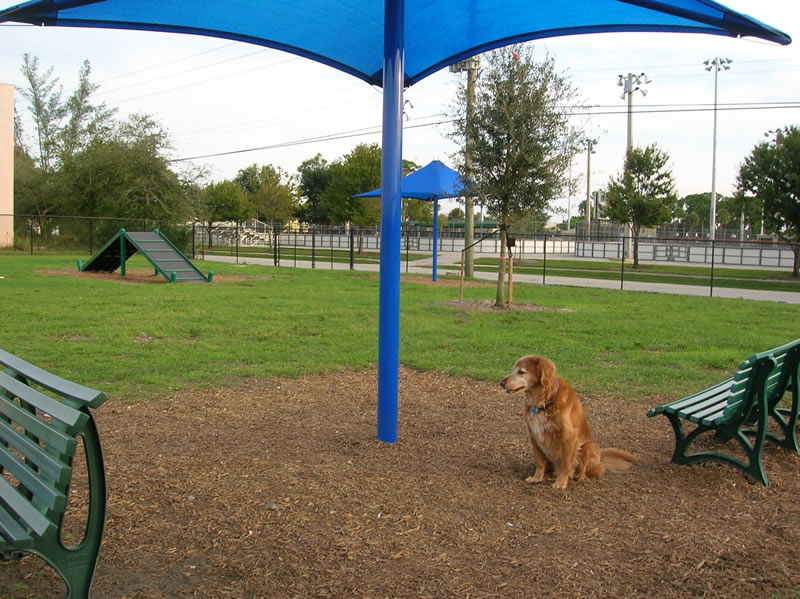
(521, 138)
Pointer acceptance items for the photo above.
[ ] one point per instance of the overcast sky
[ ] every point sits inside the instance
(216, 96)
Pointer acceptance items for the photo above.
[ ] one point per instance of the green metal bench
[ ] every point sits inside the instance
(740, 408)
(42, 418)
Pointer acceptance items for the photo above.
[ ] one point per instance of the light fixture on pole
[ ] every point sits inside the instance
(716, 64)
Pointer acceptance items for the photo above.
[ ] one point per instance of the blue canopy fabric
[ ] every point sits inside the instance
(392, 43)
(433, 181)
(349, 35)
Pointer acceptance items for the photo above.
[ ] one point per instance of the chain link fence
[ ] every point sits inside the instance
(686, 264)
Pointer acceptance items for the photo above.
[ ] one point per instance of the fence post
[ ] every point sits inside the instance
(313, 248)
(352, 260)
(544, 264)
(237, 242)
(408, 242)
(713, 251)
(276, 260)
(622, 263)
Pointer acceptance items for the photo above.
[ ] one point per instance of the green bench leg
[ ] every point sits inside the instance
(76, 565)
(752, 449)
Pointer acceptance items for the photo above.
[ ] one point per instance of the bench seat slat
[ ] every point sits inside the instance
(63, 387)
(31, 480)
(709, 393)
(11, 531)
(55, 439)
(27, 513)
(71, 417)
(688, 411)
(47, 463)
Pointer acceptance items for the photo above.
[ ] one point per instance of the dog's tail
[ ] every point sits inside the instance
(616, 460)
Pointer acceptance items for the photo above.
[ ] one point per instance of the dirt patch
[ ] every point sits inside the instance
(133, 276)
(440, 282)
(489, 306)
(278, 488)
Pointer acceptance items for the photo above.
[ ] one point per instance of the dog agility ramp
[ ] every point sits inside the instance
(167, 259)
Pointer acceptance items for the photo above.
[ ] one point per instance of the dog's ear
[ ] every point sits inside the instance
(547, 376)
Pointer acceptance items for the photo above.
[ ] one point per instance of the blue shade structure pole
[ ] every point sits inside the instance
(435, 235)
(391, 176)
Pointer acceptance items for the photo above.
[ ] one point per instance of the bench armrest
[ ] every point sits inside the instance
(66, 389)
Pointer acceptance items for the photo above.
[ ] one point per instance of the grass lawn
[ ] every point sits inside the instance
(141, 341)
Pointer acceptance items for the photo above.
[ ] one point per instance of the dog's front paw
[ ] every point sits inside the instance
(532, 480)
(561, 483)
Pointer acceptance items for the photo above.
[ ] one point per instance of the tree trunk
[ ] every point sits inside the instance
(796, 250)
(501, 268)
(210, 229)
(636, 231)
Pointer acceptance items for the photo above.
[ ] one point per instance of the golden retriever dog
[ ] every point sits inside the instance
(557, 426)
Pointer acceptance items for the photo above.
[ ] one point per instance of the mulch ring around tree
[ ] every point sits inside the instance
(278, 488)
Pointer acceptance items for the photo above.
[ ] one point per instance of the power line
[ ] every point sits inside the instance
(375, 130)
(173, 75)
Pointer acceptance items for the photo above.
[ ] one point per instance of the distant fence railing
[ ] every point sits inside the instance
(323, 246)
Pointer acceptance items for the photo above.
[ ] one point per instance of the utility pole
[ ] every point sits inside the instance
(631, 83)
(716, 64)
(471, 66)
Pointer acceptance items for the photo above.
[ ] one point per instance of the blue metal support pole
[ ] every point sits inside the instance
(435, 236)
(391, 175)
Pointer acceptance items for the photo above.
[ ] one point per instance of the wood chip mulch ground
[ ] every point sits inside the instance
(278, 488)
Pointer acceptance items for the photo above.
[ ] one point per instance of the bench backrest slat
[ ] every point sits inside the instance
(743, 398)
(11, 530)
(58, 440)
(20, 505)
(54, 468)
(46, 493)
(64, 388)
(72, 418)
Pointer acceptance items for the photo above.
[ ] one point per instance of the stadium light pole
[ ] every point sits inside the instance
(716, 64)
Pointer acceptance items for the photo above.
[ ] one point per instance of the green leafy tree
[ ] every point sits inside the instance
(314, 177)
(271, 192)
(354, 173)
(84, 120)
(771, 173)
(456, 214)
(644, 194)
(125, 176)
(217, 203)
(43, 94)
(418, 211)
(521, 137)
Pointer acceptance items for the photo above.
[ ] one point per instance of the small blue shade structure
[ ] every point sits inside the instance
(432, 183)
(394, 43)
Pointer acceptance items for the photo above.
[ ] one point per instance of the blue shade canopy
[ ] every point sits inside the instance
(349, 34)
(432, 182)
